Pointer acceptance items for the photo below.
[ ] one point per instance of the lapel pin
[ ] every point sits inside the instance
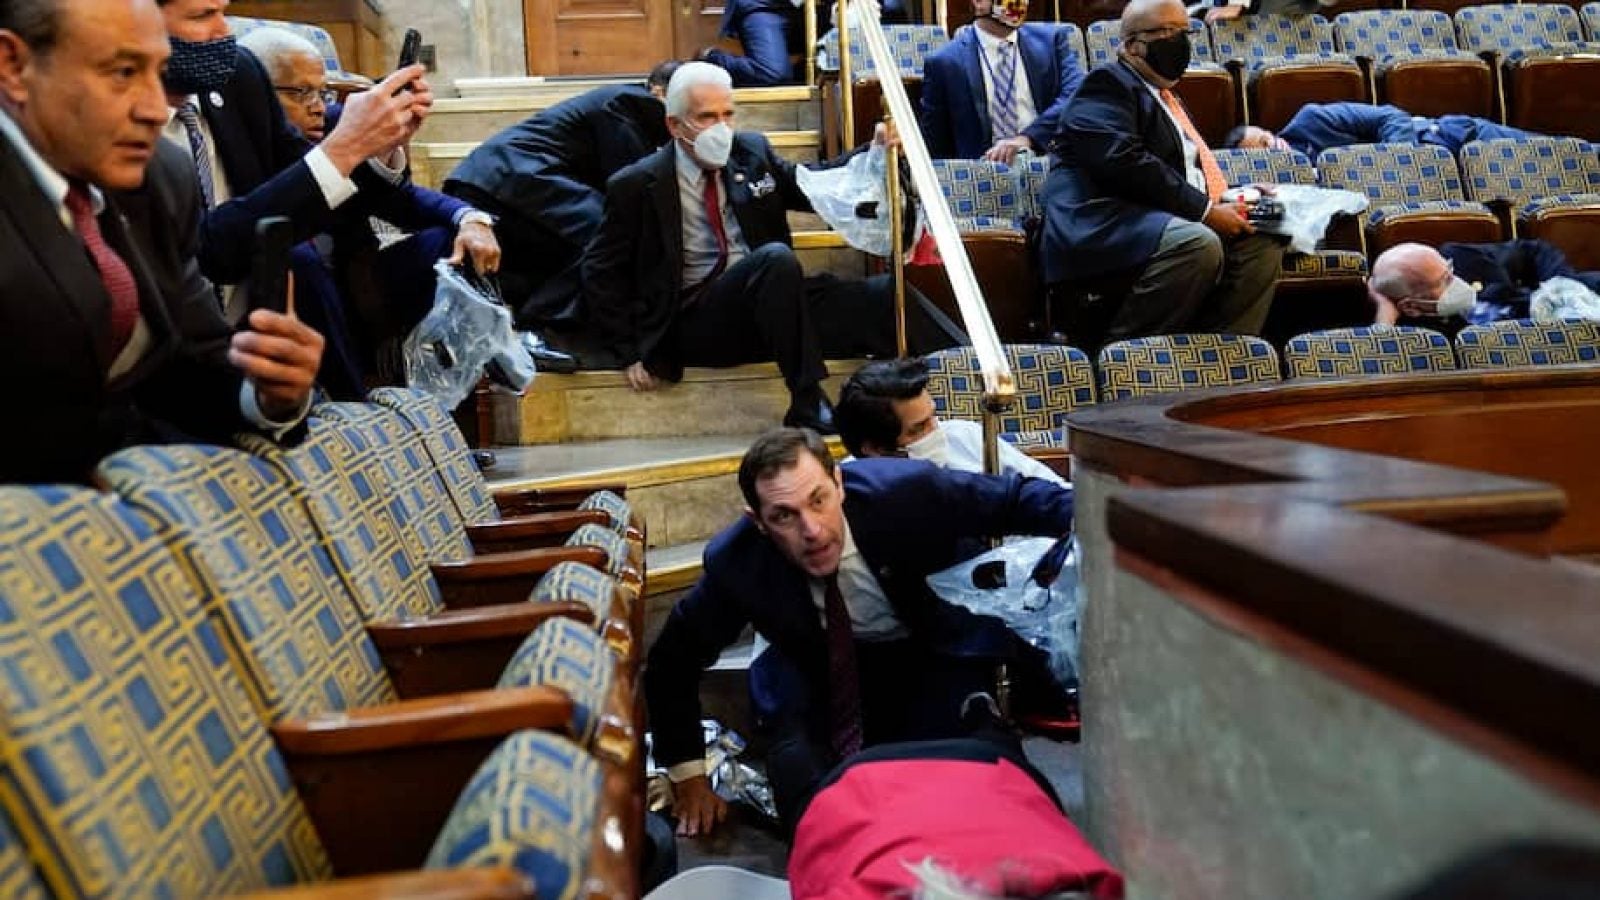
(738, 177)
(216, 99)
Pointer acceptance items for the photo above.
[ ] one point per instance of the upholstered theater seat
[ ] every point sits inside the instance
(1548, 187)
(1284, 63)
(987, 203)
(1512, 344)
(910, 44)
(1551, 73)
(1051, 383)
(1415, 64)
(1369, 350)
(1180, 362)
(1416, 194)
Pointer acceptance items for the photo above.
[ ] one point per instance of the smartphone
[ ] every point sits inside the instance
(410, 49)
(269, 271)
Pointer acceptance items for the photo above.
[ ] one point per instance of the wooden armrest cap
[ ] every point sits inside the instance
(446, 884)
(426, 720)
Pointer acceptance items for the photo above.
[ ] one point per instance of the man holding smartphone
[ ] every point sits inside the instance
(109, 335)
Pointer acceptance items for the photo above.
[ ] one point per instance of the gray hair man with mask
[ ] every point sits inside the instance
(1136, 196)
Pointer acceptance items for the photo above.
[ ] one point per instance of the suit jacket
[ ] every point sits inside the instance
(552, 167)
(263, 158)
(955, 106)
(631, 270)
(1117, 180)
(908, 519)
(1318, 126)
(1508, 272)
(55, 336)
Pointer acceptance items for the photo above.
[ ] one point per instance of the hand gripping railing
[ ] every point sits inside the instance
(999, 387)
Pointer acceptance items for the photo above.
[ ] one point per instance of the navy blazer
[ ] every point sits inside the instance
(909, 519)
(632, 268)
(1117, 179)
(955, 107)
(263, 158)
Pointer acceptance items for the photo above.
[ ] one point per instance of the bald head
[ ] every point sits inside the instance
(1143, 15)
(1408, 270)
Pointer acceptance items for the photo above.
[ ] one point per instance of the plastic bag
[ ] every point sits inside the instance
(1307, 210)
(1562, 298)
(1032, 586)
(468, 330)
(731, 779)
(851, 199)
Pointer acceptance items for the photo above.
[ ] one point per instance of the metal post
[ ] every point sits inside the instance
(897, 241)
(847, 83)
(811, 42)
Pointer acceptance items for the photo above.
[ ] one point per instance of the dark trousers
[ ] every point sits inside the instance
(318, 303)
(765, 308)
(540, 269)
(908, 693)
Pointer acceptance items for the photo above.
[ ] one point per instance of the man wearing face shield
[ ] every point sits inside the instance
(694, 264)
(1026, 72)
(1135, 195)
(1460, 284)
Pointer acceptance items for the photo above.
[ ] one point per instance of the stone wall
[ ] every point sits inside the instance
(471, 38)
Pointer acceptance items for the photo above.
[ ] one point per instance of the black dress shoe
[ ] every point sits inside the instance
(811, 410)
(484, 459)
(547, 358)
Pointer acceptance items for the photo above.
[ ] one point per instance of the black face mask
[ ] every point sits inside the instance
(1169, 56)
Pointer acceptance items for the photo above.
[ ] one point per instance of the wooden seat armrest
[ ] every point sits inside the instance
(549, 529)
(530, 500)
(453, 626)
(1057, 458)
(505, 577)
(444, 884)
(430, 720)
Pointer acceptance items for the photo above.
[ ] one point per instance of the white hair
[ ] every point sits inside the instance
(689, 76)
(275, 46)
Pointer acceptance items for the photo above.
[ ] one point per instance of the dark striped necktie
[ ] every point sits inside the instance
(844, 682)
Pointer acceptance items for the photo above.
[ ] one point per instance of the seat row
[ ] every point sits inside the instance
(1055, 381)
(1531, 65)
(230, 669)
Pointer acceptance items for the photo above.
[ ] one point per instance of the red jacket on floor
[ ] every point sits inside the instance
(987, 824)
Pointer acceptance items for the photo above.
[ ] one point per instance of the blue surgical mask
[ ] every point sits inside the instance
(197, 66)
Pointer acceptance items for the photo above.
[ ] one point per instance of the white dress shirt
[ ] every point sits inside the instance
(55, 187)
(989, 61)
(966, 453)
(699, 242)
(335, 188)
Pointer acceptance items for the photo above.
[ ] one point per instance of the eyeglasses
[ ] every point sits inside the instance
(1159, 33)
(307, 96)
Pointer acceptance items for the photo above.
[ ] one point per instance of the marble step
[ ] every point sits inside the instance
(733, 402)
(470, 119)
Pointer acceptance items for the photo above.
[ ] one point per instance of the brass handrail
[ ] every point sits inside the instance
(999, 386)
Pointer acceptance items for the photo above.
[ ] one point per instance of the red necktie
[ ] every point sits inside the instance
(114, 272)
(844, 684)
(1216, 182)
(714, 217)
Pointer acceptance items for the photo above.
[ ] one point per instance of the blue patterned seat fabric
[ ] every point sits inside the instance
(614, 545)
(299, 636)
(979, 193)
(610, 504)
(1401, 180)
(1268, 166)
(534, 806)
(447, 448)
(1369, 350)
(1267, 42)
(565, 654)
(1103, 38)
(1052, 382)
(1590, 14)
(18, 879)
(1521, 30)
(1391, 36)
(1521, 342)
(134, 763)
(576, 582)
(1030, 173)
(910, 44)
(1179, 362)
(1520, 171)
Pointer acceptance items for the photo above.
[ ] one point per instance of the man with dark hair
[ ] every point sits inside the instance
(885, 410)
(998, 87)
(829, 564)
(107, 328)
(1318, 126)
(545, 178)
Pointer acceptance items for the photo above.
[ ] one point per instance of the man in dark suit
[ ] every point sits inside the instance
(771, 34)
(1318, 126)
(829, 564)
(108, 332)
(694, 264)
(252, 164)
(545, 179)
(998, 88)
(1135, 194)
(369, 297)
(1458, 284)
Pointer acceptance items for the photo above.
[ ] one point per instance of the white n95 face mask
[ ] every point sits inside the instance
(1458, 299)
(713, 144)
(932, 447)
